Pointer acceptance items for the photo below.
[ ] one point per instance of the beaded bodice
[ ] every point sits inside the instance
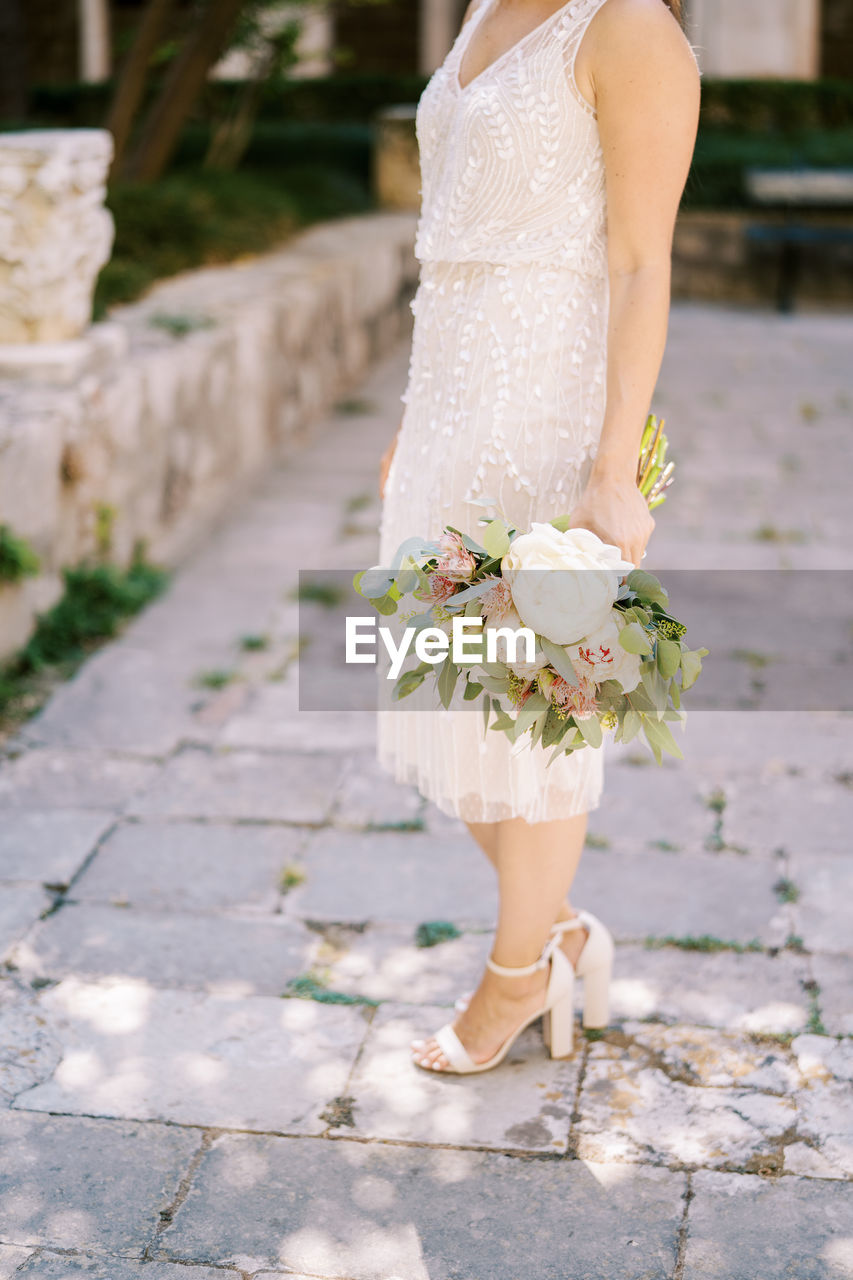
(511, 165)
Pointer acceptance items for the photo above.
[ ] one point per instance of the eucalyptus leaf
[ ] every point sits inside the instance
(656, 687)
(562, 523)
(559, 660)
(691, 666)
(413, 548)
(374, 583)
(386, 606)
(535, 705)
(590, 728)
(448, 674)
(668, 656)
(496, 539)
(659, 735)
(647, 586)
(634, 639)
(631, 725)
(406, 684)
(472, 691)
(473, 592)
(554, 728)
(406, 581)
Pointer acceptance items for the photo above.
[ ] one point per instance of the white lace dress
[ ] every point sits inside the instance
(506, 387)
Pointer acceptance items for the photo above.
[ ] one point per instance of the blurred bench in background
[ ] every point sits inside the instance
(795, 192)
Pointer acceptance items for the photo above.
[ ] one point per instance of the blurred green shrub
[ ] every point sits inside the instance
(742, 105)
(17, 558)
(199, 217)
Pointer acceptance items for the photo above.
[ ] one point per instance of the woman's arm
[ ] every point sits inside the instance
(643, 77)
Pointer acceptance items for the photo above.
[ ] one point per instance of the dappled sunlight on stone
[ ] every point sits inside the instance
(526, 1105)
(115, 1009)
(368, 1249)
(256, 1062)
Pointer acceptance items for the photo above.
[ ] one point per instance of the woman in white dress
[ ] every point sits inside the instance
(554, 142)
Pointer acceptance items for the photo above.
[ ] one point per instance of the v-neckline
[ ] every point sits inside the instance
(466, 44)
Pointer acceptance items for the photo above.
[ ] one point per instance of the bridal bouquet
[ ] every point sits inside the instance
(599, 648)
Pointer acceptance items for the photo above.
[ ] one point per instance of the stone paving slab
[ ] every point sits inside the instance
(526, 1105)
(729, 896)
(369, 797)
(824, 910)
(77, 1183)
(806, 816)
(718, 744)
(646, 805)
(131, 1051)
(391, 875)
(376, 1212)
(263, 727)
(11, 1259)
(28, 1051)
(383, 962)
(192, 866)
(826, 1110)
(834, 976)
(748, 1228)
(123, 699)
(58, 779)
(242, 956)
(48, 846)
(19, 907)
(636, 1106)
(54, 1266)
(736, 992)
(242, 785)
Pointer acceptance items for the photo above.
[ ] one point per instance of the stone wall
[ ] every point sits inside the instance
(145, 429)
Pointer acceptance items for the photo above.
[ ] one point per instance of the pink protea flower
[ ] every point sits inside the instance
(576, 700)
(456, 561)
(441, 588)
(497, 601)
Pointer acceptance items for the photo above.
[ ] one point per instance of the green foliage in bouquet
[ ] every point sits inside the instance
(554, 706)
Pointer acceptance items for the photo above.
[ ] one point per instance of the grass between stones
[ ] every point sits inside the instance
(96, 601)
(704, 942)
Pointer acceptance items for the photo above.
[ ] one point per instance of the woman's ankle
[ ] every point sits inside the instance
(566, 912)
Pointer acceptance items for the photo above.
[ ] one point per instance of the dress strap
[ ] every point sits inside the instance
(577, 17)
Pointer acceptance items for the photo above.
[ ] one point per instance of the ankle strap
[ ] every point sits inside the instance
(564, 926)
(525, 970)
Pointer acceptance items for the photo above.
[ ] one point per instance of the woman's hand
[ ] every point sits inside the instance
(617, 512)
(385, 464)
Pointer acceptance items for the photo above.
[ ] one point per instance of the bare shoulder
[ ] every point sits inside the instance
(626, 35)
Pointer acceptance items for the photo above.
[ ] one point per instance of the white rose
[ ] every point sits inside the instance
(570, 605)
(601, 657)
(526, 670)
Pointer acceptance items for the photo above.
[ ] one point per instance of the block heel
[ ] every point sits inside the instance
(596, 997)
(558, 1026)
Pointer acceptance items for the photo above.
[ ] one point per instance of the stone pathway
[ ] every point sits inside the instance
(210, 904)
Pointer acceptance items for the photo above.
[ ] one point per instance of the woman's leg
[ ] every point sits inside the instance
(487, 834)
(536, 864)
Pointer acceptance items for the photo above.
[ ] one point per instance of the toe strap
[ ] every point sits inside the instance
(453, 1049)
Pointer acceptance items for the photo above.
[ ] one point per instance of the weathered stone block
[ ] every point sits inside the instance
(58, 234)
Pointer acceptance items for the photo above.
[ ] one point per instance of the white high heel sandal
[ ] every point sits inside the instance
(594, 965)
(557, 1014)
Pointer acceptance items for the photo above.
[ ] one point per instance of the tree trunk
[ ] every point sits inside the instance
(130, 88)
(14, 61)
(185, 80)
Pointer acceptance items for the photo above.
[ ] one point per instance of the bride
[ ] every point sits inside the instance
(554, 142)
